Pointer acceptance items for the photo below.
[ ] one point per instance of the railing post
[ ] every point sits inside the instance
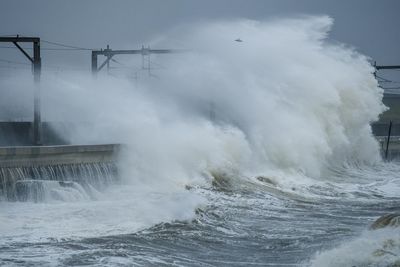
(388, 140)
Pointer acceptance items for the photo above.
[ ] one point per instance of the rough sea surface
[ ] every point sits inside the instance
(235, 154)
(240, 224)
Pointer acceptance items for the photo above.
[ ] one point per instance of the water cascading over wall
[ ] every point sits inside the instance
(29, 173)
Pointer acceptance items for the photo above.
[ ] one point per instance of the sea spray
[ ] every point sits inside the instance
(295, 100)
(302, 102)
(286, 101)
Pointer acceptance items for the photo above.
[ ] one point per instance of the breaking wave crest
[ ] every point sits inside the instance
(280, 109)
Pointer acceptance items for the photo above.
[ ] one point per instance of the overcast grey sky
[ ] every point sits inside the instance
(370, 26)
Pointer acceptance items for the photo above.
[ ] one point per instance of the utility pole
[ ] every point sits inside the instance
(36, 68)
(109, 53)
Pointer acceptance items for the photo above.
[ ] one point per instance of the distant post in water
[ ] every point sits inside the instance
(388, 140)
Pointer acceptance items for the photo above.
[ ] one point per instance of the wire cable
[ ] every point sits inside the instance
(390, 88)
(70, 47)
(383, 79)
(46, 48)
(116, 61)
(14, 62)
(67, 46)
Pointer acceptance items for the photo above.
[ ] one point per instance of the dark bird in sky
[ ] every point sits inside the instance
(238, 40)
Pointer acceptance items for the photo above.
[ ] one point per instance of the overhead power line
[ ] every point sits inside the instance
(46, 48)
(383, 79)
(116, 61)
(15, 67)
(50, 67)
(66, 45)
(14, 62)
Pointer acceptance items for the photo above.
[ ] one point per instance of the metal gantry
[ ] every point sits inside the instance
(36, 67)
(109, 53)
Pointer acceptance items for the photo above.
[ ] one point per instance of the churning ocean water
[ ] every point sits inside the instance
(253, 222)
(258, 153)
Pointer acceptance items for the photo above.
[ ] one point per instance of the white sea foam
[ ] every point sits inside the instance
(118, 211)
(285, 100)
(371, 248)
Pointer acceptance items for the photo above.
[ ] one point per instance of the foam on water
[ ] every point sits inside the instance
(372, 248)
(121, 210)
(286, 103)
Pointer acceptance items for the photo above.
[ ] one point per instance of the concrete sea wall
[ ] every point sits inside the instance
(32, 172)
(23, 156)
